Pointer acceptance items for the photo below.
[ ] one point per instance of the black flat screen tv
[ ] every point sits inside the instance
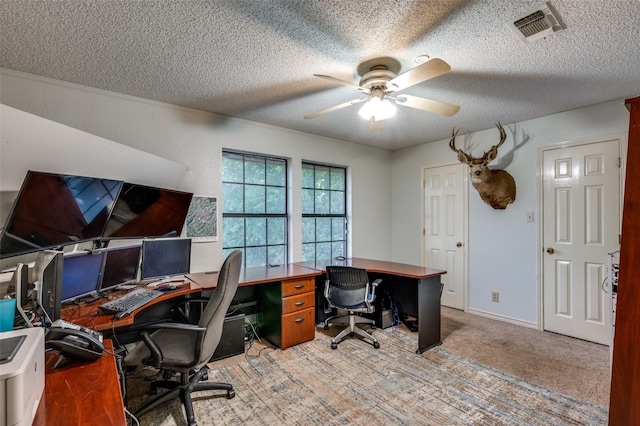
(147, 212)
(54, 210)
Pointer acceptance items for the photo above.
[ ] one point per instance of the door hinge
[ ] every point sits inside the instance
(424, 232)
(424, 183)
(619, 239)
(619, 162)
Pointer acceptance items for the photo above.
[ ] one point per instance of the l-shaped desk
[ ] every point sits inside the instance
(288, 295)
(415, 288)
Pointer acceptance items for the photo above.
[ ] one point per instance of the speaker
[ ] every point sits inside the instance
(232, 340)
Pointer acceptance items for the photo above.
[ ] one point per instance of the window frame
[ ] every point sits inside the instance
(248, 215)
(343, 215)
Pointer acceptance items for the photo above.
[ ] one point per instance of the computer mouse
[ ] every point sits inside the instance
(122, 314)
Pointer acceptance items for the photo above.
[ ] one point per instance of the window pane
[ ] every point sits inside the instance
(276, 255)
(338, 228)
(308, 252)
(276, 230)
(308, 229)
(232, 198)
(323, 251)
(276, 200)
(323, 229)
(256, 231)
(337, 202)
(308, 201)
(233, 232)
(307, 176)
(322, 177)
(337, 179)
(254, 199)
(254, 170)
(276, 172)
(322, 202)
(337, 249)
(256, 256)
(232, 168)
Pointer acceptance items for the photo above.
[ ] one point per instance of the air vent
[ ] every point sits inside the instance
(535, 25)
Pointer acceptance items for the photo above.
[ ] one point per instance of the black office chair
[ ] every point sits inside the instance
(348, 289)
(187, 348)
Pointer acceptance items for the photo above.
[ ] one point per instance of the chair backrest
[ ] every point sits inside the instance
(214, 313)
(347, 286)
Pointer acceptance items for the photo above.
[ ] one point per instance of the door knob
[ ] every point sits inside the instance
(459, 244)
(550, 250)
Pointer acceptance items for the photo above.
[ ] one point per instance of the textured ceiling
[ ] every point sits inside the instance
(256, 59)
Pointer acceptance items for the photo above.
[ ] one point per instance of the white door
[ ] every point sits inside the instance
(581, 214)
(444, 207)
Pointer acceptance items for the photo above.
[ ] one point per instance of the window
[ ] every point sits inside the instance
(324, 217)
(254, 208)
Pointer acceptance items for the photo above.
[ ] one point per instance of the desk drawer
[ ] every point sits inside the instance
(298, 327)
(293, 287)
(298, 302)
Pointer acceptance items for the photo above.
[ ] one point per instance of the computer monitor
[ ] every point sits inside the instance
(121, 265)
(163, 258)
(80, 275)
(47, 275)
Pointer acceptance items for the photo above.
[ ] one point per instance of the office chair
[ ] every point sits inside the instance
(187, 348)
(348, 289)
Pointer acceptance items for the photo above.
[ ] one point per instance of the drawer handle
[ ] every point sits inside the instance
(299, 303)
(299, 320)
(299, 286)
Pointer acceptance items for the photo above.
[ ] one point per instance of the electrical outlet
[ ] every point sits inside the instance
(495, 296)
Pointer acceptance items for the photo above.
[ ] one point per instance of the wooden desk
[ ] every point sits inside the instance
(89, 314)
(81, 393)
(416, 288)
(284, 295)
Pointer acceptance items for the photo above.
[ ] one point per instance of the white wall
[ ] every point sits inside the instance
(196, 139)
(503, 247)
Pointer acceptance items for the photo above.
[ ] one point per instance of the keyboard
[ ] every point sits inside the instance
(131, 301)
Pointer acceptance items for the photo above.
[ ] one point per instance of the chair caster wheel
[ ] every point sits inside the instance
(231, 394)
(334, 346)
(326, 327)
(376, 345)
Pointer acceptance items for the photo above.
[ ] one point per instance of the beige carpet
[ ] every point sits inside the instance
(571, 366)
(356, 384)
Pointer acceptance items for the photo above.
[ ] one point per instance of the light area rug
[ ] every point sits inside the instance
(311, 384)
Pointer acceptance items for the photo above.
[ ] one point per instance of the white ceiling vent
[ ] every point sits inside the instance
(536, 24)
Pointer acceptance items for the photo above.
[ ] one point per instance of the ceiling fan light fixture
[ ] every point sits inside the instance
(378, 108)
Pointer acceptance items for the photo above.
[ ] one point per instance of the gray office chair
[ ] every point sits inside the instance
(348, 289)
(187, 348)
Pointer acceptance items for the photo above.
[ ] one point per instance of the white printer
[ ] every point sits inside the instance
(21, 375)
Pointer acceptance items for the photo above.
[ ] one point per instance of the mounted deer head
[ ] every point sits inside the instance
(496, 187)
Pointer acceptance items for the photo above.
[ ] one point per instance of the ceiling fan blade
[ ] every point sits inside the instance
(429, 69)
(334, 108)
(428, 105)
(337, 80)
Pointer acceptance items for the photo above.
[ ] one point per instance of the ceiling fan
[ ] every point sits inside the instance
(379, 83)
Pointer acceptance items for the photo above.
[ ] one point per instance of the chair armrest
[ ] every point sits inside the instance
(155, 357)
(373, 288)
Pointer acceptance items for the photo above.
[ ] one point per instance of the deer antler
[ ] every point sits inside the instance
(490, 155)
(462, 156)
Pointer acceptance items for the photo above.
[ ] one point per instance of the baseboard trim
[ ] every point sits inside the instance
(503, 318)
